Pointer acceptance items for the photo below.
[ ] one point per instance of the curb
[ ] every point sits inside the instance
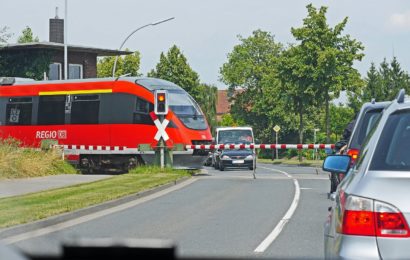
(53, 220)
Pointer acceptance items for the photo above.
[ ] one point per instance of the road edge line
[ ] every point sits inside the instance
(288, 215)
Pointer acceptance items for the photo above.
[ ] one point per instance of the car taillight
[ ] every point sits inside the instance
(390, 221)
(354, 153)
(367, 217)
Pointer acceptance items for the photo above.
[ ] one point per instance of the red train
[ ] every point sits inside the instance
(101, 122)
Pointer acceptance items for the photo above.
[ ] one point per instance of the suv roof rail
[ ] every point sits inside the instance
(400, 96)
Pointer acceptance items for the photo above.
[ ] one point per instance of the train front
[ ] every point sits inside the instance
(187, 126)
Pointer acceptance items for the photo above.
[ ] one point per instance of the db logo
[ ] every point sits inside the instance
(62, 134)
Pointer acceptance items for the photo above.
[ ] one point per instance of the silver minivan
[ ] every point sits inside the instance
(371, 211)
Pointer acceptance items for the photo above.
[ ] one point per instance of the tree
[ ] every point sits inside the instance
(324, 59)
(174, 67)
(207, 99)
(381, 84)
(4, 35)
(27, 36)
(125, 64)
(341, 116)
(252, 83)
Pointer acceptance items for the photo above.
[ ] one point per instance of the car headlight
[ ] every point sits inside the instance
(225, 157)
(249, 157)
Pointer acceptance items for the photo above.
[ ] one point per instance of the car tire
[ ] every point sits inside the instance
(221, 167)
(334, 182)
(216, 165)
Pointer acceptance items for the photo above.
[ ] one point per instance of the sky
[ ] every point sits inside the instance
(206, 31)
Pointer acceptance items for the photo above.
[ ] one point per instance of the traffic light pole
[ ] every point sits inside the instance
(162, 147)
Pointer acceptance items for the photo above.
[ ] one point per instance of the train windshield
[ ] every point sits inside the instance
(187, 110)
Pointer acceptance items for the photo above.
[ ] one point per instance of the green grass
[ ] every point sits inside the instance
(31, 207)
(315, 163)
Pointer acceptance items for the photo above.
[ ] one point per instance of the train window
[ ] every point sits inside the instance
(142, 110)
(85, 109)
(51, 110)
(19, 111)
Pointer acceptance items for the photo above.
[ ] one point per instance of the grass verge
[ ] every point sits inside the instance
(31, 207)
(17, 162)
(313, 163)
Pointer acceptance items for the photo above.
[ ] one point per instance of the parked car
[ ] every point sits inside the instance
(364, 122)
(371, 211)
(234, 158)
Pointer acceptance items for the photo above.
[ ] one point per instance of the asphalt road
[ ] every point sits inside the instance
(280, 214)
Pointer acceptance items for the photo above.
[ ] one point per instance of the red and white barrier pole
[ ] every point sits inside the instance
(259, 146)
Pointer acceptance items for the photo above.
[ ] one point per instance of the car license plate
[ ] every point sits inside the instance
(238, 161)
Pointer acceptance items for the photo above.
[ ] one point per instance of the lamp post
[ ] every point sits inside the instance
(314, 142)
(65, 41)
(122, 44)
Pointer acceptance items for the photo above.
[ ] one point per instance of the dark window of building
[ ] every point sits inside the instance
(51, 110)
(85, 109)
(18, 111)
(142, 110)
(54, 71)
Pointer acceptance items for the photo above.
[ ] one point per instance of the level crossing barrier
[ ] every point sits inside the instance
(259, 146)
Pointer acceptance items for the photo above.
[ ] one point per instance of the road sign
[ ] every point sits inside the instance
(276, 128)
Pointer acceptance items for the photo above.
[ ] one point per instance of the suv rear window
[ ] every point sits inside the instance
(364, 127)
(392, 151)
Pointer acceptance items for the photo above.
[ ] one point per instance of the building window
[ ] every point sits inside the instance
(75, 71)
(18, 111)
(54, 71)
(85, 109)
(51, 110)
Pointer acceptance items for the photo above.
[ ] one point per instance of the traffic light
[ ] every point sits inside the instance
(161, 102)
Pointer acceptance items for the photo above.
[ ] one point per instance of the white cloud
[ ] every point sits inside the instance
(400, 20)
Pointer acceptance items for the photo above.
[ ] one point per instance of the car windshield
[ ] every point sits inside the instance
(392, 151)
(235, 137)
(187, 110)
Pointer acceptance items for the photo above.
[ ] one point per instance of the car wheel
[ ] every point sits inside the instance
(221, 166)
(216, 165)
(334, 182)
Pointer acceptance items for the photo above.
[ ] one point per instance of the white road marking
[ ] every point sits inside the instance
(306, 188)
(92, 216)
(279, 227)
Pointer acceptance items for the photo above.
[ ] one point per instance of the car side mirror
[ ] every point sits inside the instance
(337, 163)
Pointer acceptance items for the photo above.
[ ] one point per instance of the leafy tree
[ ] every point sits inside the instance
(173, 66)
(227, 120)
(125, 64)
(207, 99)
(381, 84)
(341, 116)
(4, 35)
(27, 36)
(252, 83)
(324, 61)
